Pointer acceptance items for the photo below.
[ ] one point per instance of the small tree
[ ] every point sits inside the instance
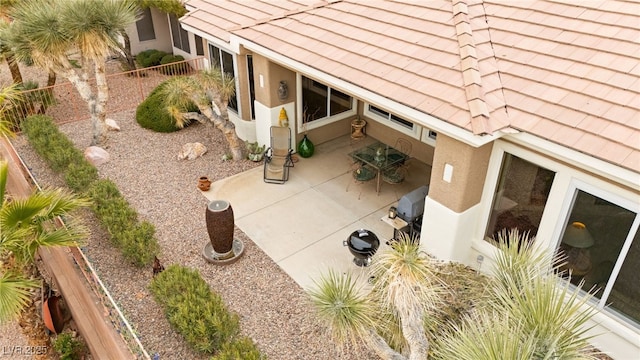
(49, 32)
(210, 90)
(390, 317)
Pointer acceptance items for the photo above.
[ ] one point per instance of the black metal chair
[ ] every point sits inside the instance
(277, 158)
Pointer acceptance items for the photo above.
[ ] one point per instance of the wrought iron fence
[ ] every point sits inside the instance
(126, 90)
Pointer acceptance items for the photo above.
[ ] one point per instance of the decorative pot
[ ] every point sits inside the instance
(220, 223)
(357, 129)
(305, 147)
(204, 183)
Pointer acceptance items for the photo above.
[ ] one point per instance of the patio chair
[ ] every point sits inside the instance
(361, 174)
(277, 158)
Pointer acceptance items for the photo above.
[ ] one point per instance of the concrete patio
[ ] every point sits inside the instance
(302, 224)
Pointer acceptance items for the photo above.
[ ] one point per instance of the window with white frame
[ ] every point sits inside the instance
(225, 62)
(520, 197)
(396, 122)
(600, 244)
(597, 232)
(179, 35)
(320, 101)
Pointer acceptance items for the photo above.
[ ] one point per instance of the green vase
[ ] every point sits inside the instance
(305, 147)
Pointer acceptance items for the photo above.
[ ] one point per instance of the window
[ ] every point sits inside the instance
(601, 243)
(252, 86)
(392, 118)
(520, 197)
(199, 46)
(224, 61)
(144, 26)
(320, 101)
(180, 36)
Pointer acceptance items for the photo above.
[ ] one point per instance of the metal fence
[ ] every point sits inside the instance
(126, 90)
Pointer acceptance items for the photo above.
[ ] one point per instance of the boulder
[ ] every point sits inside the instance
(112, 125)
(192, 151)
(96, 155)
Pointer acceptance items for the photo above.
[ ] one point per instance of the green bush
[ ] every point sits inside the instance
(240, 348)
(117, 217)
(50, 143)
(177, 69)
(152, 113)
(150, 57)
(196, 312)
(68, 346)
(139, 244)
(79, 176)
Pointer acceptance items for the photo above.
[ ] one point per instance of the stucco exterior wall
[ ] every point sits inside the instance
(161, 28)
(468, 167)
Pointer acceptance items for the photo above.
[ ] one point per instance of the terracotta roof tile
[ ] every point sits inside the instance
(567, 72)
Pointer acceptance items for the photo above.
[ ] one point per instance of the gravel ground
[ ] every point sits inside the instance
(273, 309)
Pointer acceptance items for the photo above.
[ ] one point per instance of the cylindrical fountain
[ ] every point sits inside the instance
(222, 247)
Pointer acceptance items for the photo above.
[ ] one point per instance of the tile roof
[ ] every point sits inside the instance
(568, 72)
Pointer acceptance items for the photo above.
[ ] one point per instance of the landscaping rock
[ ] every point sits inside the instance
(96, 155)
(112, 125)
(191, 151)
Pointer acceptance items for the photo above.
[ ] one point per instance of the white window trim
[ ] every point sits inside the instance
(415, 133)
(556, 203)
(234, 56)
(324, 121)
(616, 199)
(556, 213)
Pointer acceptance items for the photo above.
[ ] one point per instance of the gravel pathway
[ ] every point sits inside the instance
(273, 309)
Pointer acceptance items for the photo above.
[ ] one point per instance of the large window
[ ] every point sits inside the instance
(520, 197)
(144, 26)
(601, 246)
(180, 36)
(224, 61)
(321, 101)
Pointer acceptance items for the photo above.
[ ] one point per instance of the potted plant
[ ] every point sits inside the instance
(255, 152)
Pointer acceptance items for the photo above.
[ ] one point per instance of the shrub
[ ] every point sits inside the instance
(79, 176)
(240, 348)
(177, 69)
(152, 113)
(68, 346)
(150, 57)
(196, 312)
(139, 244)
(50, 143)
(135, 240)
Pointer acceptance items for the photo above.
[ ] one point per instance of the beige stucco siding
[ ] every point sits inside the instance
(469, 169)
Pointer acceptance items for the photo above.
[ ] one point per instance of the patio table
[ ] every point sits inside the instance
(380, 157)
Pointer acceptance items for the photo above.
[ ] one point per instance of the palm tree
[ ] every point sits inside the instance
(210, 90)
(49, 32)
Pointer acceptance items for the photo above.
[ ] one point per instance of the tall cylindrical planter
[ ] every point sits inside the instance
(220, 223)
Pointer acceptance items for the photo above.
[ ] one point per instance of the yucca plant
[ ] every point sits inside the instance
(532, 313)
(390, 317)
